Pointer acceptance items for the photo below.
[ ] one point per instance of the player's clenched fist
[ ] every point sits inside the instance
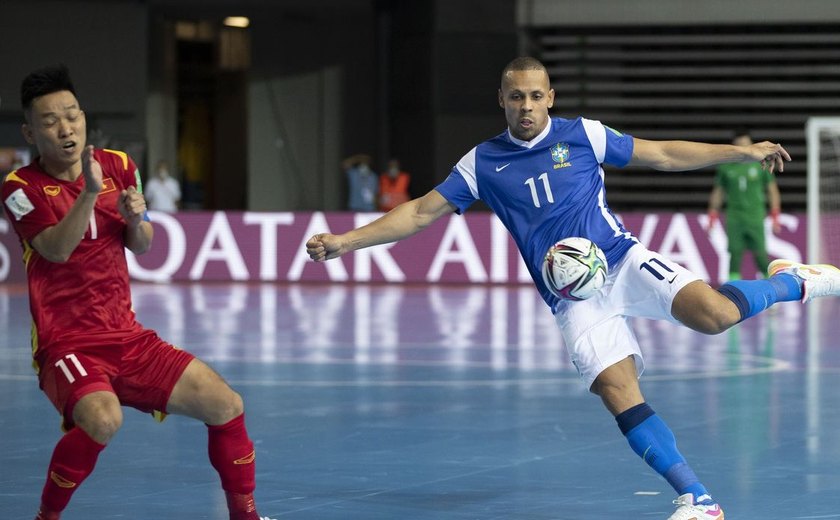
(323, 246)
(131, 205)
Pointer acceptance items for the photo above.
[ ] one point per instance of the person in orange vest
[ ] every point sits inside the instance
(393, 186)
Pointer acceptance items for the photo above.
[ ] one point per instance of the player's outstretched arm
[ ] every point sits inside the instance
(403, 221)
(689, 155)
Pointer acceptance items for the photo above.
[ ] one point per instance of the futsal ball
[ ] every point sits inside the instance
(574, 268)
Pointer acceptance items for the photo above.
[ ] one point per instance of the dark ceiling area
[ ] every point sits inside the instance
(309, 9)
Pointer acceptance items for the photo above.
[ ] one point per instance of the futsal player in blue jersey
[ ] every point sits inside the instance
(543, 178)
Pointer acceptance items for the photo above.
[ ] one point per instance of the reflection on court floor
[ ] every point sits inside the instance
(427, 402)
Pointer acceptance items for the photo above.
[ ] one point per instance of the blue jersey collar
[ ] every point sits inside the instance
(533, 142)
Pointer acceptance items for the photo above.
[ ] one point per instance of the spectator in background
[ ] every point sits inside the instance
(747, 188)
(362, 181)
(163, 193)
(393, 186)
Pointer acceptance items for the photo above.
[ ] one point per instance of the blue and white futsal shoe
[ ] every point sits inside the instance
(688, 510)
(817, 279)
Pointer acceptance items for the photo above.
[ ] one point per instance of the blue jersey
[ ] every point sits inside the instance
(547, 189)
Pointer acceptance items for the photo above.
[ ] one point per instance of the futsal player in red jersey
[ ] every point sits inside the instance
(75, 209)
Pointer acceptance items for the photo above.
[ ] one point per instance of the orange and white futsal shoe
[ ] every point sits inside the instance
(688, 510)
(817, 279)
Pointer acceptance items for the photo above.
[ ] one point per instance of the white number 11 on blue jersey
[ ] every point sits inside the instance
(534, 196)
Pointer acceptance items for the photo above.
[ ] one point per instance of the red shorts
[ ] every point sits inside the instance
(141, 370)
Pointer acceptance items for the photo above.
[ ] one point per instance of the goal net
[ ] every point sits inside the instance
(823, 141)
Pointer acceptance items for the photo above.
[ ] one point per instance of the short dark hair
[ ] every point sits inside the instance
(523, 63)
(41, 82)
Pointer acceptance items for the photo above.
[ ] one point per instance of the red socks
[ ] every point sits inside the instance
(72, 461)
(232, 454)
(45, 514)
(241, 507)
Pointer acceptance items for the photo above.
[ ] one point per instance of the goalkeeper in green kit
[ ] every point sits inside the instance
(747, 189)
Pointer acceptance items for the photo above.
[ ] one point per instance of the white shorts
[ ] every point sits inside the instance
(597, 331)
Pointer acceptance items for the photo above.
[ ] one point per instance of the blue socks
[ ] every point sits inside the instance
(754, 296)
(649, 436)
(652, 440)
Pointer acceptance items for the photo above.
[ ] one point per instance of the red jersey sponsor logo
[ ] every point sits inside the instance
(52, 191)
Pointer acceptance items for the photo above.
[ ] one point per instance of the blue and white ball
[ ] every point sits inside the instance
(574, 269)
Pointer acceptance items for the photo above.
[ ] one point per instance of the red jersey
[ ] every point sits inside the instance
(87, 297)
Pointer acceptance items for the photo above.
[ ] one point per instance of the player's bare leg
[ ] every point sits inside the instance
(201, 393)
(652, 440)
(99, 414)
(618, 386)
(704, 309)
(711, 311)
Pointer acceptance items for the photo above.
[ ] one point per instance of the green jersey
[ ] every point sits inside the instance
(745, 185)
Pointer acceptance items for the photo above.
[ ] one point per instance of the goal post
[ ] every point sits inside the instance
(822, 136)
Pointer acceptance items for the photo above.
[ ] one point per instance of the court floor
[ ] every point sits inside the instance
(444, 402)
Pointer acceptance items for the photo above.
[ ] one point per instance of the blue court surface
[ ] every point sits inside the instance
(438, 402)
